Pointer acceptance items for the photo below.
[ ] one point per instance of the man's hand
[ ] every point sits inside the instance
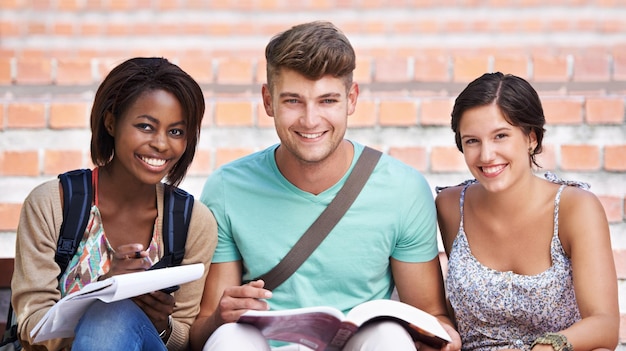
(236, 300)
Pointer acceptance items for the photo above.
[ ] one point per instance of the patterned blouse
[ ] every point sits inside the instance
(93, 256)
(496, 310)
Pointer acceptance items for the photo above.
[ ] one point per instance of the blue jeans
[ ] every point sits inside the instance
(120, 325)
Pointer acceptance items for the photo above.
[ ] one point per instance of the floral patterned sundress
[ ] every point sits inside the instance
(496, 310)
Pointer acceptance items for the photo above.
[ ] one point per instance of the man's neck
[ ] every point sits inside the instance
(316, 177)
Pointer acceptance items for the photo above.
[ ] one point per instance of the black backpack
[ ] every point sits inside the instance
(77, 198)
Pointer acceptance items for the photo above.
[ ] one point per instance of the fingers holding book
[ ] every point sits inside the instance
(236, 300)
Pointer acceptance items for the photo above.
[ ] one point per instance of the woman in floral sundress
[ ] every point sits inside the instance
(530, 259)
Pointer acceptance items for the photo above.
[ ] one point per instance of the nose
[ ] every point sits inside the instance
(159, 141)
(486, 152)
(310, 117)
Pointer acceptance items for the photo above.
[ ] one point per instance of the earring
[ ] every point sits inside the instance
(531, 152)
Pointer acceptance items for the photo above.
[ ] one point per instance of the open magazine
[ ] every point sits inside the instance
(326, 328)
(61, 320)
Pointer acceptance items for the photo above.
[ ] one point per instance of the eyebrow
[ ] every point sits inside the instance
(156, 121)
(496, 131)
(296, 95)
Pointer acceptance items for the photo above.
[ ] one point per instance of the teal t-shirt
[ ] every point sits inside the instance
(261, 215)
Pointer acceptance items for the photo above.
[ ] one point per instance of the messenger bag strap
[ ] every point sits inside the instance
(316, 233)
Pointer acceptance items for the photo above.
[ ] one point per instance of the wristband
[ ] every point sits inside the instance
(557, 341)
(163, 334)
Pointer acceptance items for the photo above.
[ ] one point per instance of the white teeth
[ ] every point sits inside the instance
(156, 162)
(492, 169)
(311, 136)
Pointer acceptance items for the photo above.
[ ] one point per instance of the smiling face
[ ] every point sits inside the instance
(496, 152)
(310, 116)
(150, 137)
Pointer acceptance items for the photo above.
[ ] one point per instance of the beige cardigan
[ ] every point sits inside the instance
(35, 287)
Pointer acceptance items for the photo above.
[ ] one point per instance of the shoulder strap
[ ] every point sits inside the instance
(77, 198)
(318, 231)
(177, 206)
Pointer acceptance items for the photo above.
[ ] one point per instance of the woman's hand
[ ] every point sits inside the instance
(455, 345)
(127, 259)
(158, 306)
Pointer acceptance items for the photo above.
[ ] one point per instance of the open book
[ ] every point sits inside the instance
(326, 328)
(60, 320)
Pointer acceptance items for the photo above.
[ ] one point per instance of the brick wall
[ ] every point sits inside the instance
(413, 58)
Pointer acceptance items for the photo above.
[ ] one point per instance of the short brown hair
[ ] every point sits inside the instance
(312, 49)
(125, 84)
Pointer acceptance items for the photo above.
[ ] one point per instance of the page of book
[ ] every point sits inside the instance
(323, 327)
(60, 320)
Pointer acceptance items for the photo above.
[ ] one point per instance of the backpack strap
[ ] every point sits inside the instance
(177, 208)
(77, 198)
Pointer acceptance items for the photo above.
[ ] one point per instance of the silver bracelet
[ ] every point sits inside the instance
(169, 326)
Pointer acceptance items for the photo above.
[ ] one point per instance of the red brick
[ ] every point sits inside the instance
(63, 29)
(580, 157)
(26, 115)
(233, 113)
(59, 161)
(602, 110)
(68, 5)
(619, 66)
(563, 110)
(207, 119)
(201, 164)
(91, 28)
(414, 156)
(118, 29)
(224, 156)
(69, 115)
(550, 69)
(119, 5)
(592, 68)
(261, 72)
(235, 71)
(364, 115)
(397, 113)
(547, 158)
(263, 120)
(10, 4)
(9, 216)
(446, 159)
(36, 28)
(432, 68)
(19, 163)
(467, 67)
(74, 72)
(614, 158)
(34, 71)
(391, 69)
(613, 207)
(516, 65)
(436, 111)
(6, 76)
(201, 69)
(10, 28)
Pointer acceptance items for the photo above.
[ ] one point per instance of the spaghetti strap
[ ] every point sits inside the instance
(466, 185)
